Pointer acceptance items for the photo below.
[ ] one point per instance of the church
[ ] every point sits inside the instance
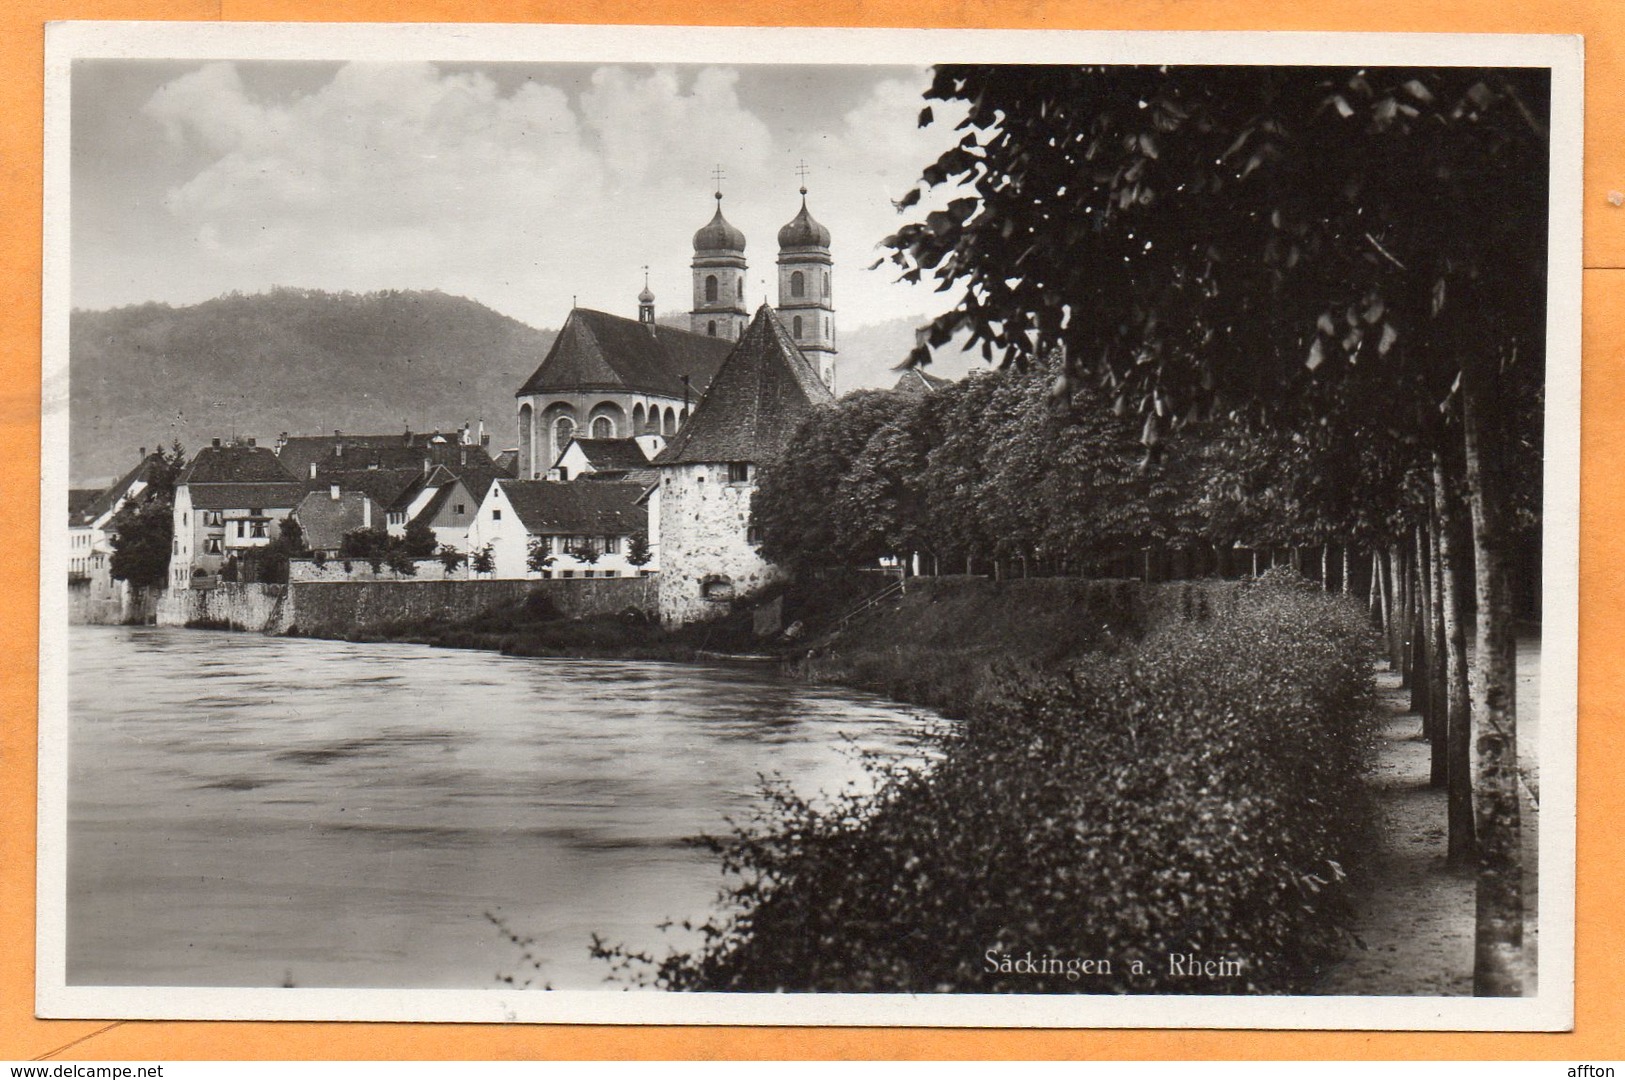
(611, 377)
(723, 397)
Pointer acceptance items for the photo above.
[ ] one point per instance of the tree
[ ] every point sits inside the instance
(585, 551)
(143, 531)
(419, 540)
(638, 552)
(484, 561)
(451, 558)
(1276, 246)
(372, 545)
(539, 555)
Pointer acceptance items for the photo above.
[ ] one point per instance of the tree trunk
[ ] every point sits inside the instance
(1459, 745)
(1379, 585)
(1427, 557)
(1498, 944)
(1348, 588)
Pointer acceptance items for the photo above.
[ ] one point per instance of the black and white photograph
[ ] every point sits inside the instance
(788, 526)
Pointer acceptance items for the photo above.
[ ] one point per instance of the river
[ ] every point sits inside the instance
(260, 811)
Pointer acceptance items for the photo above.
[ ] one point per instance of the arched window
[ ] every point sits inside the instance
(603, 428)
(711, 328)
(798, 284)
(741, 288)
(527, 466)
(798, 328)
(670, 425)
(710, 288)
(637, 419)
(682, 418)
(563, 431)
(826, 284)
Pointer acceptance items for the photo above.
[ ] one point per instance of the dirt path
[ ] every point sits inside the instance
(1416, 915)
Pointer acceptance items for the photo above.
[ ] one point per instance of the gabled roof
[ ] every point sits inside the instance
(262, 496)
(917, 383)
(599, 351)
(102, 502)
(298, 451)
(764, 389)
(239, 477)
(577, 507)
(386, 487)
(507, 463)
(325, 519)
(611, 455)
(235, 465)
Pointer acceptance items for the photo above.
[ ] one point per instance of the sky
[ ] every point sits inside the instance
(527, 187)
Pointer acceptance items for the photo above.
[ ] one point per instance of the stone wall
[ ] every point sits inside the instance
(337, 608)
(428, 569)
(232, 605)
(109, 603)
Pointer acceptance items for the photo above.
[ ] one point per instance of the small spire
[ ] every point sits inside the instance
(717, 177)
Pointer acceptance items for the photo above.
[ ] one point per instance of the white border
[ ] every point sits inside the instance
(1553, 1006)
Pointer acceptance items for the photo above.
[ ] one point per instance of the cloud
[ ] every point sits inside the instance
(404, 176)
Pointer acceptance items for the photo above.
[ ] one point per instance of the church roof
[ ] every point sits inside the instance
(599, 351)
(803, 231)
(764, 389)
(719, 235)
(578, 507)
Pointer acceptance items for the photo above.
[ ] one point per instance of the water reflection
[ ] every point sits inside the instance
(247, 810)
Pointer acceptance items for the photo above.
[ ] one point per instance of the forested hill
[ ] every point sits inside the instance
(291, 360)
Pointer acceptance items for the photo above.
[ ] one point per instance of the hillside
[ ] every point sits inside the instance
(292, 360)
(870, 354)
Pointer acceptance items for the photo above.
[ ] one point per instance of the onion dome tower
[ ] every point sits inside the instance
(806, 306)
(646, 303)
(719, 277)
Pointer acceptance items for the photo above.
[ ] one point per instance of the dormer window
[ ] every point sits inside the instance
(738, 472)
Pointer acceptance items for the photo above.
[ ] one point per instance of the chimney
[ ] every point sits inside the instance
(216, 444)
(462, 456)
(425, 466)
(143, 453)
(332, 490)
(251, 440)
(366, 512)
(313, 470)
(485, 440)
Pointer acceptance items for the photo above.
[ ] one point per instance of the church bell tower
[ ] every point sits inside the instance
(719, 277)
(806, 304)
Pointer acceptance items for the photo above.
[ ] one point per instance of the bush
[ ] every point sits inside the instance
(1198, 794)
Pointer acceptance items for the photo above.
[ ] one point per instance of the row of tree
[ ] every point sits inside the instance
(1352, 261)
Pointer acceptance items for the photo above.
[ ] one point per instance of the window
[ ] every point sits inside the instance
(183, 519)
(563, 431)
(711, 288)
(826, 283)
(397, 517)
(239, 530)
(603, 428)
(214, 517)
(741, 288)
(462, 508)
(753, 535)
(798, 328)
(211, 545)
(612, 545)
(738, 472)
(496, 515)
(798, 284)
(711, 328)
(257, 530)
(567, 573)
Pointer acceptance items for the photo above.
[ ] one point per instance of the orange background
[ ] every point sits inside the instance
(1599, 1031)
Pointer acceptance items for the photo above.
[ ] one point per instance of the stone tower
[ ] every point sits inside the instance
(719, 279)
(806, 305)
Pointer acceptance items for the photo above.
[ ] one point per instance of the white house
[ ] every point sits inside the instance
(229, 501)
(569, 516)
